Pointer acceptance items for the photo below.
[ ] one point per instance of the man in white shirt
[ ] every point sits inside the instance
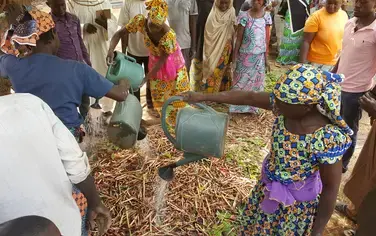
(136, 46)
(41, 165)
(182, 16)
(97, 30)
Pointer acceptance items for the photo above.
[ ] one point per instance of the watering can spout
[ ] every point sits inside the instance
(96, 105)
(167, 172)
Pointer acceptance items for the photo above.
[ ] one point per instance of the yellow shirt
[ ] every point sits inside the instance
(329, 28)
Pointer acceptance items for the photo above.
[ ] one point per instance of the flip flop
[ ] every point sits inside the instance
(349, 232)
(342, 209)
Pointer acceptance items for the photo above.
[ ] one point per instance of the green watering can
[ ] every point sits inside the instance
(126, 67)
(125, 122)
(200, 133)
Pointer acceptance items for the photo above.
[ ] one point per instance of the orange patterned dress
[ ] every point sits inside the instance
(172, 79)
(220, 79)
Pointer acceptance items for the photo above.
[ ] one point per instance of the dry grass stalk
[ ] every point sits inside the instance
(129, 182)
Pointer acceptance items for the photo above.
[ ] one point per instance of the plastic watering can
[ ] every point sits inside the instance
(200, 133)
(125, 122)
(126, 67)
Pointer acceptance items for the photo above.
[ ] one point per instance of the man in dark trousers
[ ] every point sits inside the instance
(72, 47)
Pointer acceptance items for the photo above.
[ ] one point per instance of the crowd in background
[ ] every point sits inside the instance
(206, 50)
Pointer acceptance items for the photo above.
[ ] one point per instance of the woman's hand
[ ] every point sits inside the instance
(90, 28)
(13, 11)
(193, 97)
(110, 57)
(100, 216)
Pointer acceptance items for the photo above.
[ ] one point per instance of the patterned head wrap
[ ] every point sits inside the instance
(23, 35)
(304, 84)
(158, 11)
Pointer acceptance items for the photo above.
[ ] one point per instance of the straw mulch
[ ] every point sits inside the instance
(193, 202)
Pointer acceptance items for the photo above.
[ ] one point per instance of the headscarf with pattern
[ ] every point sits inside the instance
(158, 11)
(23, 35)
(304, 84)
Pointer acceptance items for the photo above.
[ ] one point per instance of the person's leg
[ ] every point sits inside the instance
(366, 215)
(85, 106)
(139, 61)
(149, 101)
(187, 58)
(351, 113)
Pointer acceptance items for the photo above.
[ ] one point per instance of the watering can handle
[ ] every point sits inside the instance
(109, 69)
(164, 115)
(130, 58)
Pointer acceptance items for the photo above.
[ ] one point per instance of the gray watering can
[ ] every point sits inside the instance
(125, 122)
(126, 67)
(200, 133)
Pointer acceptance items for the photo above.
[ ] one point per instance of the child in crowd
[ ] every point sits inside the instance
(250, 54)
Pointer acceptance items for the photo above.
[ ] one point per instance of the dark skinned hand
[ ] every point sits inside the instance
(192, 97)
(12, 11)
(102, 21)
(101, 217)
(368, 103)
(90, 28)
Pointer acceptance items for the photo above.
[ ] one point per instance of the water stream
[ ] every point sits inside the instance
(95, 131)
(160, 200)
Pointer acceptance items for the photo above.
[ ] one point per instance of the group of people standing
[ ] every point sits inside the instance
(204, 46)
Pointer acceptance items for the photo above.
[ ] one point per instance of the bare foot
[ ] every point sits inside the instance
(154, 113)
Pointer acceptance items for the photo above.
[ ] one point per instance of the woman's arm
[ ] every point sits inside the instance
(122, 33)
(308, 37)
(331, 179)
(239, 39)
(256, 99)
(268, 30)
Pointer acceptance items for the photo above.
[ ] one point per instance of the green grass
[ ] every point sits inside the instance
(271, 79)
(247, 155)
(226, 225)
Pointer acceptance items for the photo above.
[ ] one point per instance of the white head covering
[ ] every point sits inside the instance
(219, 29)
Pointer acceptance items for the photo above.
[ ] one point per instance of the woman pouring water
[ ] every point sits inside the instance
(300, 178)
(167, 72)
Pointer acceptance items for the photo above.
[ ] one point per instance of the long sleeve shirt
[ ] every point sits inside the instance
(72, 47)
(40, 161)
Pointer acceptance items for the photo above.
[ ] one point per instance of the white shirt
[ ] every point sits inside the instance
(39, 161)
(178, 16)
(130, 9)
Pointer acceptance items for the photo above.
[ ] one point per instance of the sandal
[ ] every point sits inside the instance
(349, 232)
(342, 209)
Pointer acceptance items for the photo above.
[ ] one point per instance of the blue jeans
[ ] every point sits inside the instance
(351, 112)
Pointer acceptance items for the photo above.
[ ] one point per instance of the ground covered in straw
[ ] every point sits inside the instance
(203, 198)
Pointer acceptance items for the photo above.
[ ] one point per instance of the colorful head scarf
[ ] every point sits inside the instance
(20, 37)
(304, 84)
(158, 11)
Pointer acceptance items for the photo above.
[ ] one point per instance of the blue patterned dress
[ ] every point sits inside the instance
(286, 199)
(293, 158)
(250, 65)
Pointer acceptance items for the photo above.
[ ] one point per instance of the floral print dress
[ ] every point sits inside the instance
(293, 161)
(250, 65)
(172, 79)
